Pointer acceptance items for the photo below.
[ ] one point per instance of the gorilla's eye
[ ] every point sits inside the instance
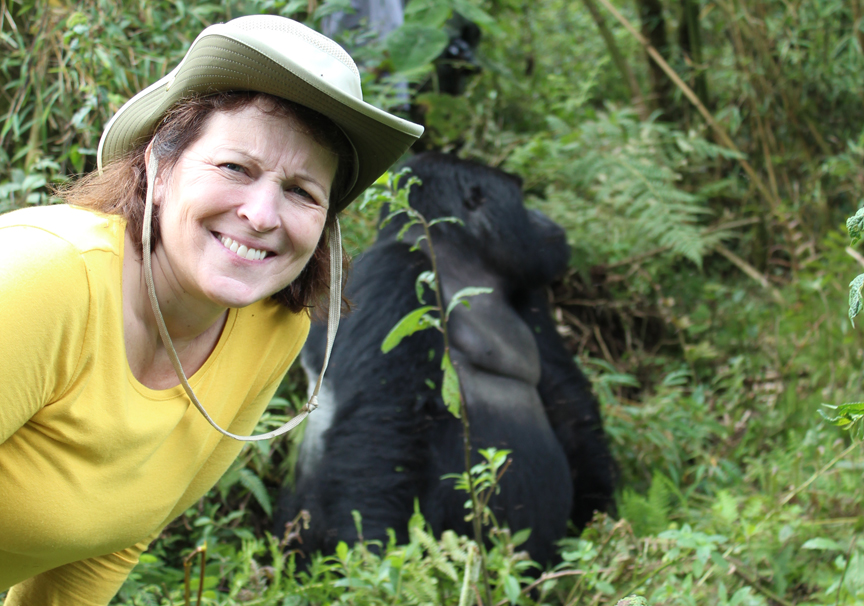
(475, 198)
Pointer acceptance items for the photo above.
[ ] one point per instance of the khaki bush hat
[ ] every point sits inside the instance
(278, 56)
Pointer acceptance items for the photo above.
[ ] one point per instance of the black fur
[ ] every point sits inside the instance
(385, 437)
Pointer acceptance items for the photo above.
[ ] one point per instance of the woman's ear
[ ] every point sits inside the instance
(157, 181)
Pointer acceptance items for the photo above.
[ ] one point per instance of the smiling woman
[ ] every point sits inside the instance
(201, 246)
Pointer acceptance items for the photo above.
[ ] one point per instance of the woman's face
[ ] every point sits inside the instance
(243, 209)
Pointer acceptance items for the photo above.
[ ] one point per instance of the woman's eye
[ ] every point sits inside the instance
(234, 167)
(300, 192)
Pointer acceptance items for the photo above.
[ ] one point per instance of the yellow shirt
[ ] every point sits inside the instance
(92, 463)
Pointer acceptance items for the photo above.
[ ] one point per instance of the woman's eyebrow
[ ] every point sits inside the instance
(299, 174)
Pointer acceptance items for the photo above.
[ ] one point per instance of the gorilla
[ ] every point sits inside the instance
(383, 438)
(458, 62)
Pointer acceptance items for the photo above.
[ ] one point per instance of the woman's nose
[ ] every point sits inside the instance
(261, 207)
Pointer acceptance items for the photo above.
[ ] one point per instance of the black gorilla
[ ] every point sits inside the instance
(458, 63)
(383, 437)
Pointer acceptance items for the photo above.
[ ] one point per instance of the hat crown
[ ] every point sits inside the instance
(287, 40)
(252, 23)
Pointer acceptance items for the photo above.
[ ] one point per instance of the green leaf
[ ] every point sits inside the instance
(521, 536)
(253, 484)
(855, 287)
(450, 387)
(342, 550)
(454, 220)
(718, 560)
(462, 295)
(850, 408)
(511, 589)
(855, 226)
(474, 13)
(823, 544)
(431, 13)
(413, 45)
(427, 277)
(413, 322)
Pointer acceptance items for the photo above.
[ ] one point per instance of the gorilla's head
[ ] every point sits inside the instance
(521, 245)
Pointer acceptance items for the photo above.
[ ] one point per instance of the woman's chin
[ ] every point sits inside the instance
(236, 294)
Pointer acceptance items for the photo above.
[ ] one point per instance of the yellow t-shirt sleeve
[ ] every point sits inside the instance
(91, 582)
(44, 321)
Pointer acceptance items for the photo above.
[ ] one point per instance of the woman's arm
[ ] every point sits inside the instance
(91, 582)
(44, 312)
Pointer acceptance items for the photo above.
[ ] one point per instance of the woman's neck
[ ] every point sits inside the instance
(194, 327)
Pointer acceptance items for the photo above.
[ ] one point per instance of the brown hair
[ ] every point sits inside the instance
(121, 187)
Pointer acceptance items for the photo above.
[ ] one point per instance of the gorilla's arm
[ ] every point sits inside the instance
(573, 413)
(376, 448)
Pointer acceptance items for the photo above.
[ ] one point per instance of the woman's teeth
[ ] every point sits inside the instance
(252, 254)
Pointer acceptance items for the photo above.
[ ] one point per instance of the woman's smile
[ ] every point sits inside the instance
(241, 250)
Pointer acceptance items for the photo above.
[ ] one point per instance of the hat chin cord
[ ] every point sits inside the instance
(334, 313)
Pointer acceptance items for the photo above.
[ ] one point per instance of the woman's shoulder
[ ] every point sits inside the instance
(83, 229)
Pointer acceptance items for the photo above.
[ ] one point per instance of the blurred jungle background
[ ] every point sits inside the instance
(707, 295)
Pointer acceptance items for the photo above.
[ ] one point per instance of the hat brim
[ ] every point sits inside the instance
(225, 61)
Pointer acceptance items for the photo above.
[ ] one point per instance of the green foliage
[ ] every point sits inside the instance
(462, 296)
(623, 178)
(486, 477)
(417, 320)
(426, 570)
(450, 390)
(848, 416)
(709, 387)
(854, 226)
(649, 514)
(414, 46)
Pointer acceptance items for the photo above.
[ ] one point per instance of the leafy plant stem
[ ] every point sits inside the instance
(650, 576)
(187, 565)
(543, 578)
(753, 581)
(491, 490)
(845, 569)
(815, 476)
(617, 57)
(477, 520)
(571, 597)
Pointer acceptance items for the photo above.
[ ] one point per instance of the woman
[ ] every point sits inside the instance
(246, 151)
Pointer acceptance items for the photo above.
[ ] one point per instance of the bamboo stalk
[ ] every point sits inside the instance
(688, 92)
(855, 255)
(617, 58)
(856, 24)
(748, 269)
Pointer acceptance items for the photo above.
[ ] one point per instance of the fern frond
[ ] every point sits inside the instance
(253, 484)
(619, 183)
(434, 553)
